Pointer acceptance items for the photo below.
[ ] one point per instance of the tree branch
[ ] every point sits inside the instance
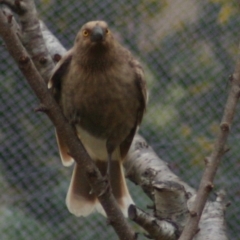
(27, 67)
(173, 199)
(31, 35)
(212, 224)
(212, 163)
(169, 193)
(157, 229)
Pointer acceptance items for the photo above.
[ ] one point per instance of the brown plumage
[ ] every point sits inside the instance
(101, 90)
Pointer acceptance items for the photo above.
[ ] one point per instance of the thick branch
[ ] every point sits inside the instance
(146, 169)
(31, 35)
(157, 229)
(49, 105)
(212, 224)
(55, 48)
(167, 191)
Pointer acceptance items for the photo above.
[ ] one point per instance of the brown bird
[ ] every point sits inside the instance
(101, 90)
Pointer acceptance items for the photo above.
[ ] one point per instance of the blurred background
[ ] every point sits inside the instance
(188, 49)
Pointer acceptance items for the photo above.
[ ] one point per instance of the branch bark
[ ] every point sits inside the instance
(31, 35)
(157, 229)
(177, 198)
(212, 224)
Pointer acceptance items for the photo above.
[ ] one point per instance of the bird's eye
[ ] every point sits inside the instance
(85, 33)
(107, 31)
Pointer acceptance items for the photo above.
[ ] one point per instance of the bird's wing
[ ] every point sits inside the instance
(141, 87)
(140, 83)
(54, 85)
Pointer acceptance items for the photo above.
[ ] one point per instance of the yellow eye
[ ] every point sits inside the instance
(85, 33)
(107, 31)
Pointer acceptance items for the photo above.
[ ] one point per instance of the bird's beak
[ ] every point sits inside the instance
(97, 34)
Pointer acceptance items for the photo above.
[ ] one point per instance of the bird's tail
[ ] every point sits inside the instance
(81, 201)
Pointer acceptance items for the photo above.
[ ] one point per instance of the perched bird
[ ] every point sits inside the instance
(101, 89)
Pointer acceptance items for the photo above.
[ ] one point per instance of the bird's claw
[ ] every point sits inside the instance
(107, 185)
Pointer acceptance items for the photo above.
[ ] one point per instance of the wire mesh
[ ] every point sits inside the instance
(188, 49)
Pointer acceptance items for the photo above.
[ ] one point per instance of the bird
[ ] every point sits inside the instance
(101, 90)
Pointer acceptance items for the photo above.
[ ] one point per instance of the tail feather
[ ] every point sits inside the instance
(67, 160)
(81, 202)
(118, 184)
(123, 196)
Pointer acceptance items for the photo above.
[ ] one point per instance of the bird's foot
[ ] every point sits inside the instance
(105, 179)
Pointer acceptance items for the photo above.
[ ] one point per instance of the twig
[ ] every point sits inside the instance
(213, 161)
(53, 111)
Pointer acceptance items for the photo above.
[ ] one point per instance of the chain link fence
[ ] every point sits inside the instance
(188, 49)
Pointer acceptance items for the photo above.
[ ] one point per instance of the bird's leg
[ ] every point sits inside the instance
(109, 165)
(106, 178)
(106, 172)
(110, 149)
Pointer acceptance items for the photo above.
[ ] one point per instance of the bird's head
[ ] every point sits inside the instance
(94, 34)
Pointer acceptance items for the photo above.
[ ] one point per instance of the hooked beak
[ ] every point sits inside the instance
(97, 34)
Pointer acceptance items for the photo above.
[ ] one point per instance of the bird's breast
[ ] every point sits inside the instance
(101, 102)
